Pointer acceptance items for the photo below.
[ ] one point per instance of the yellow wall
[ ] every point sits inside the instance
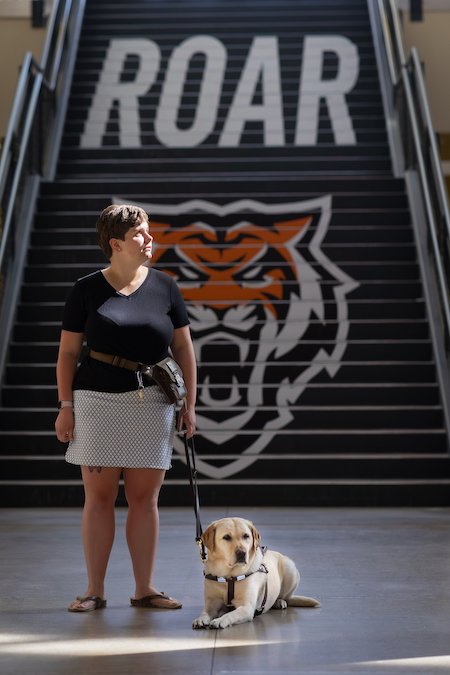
(431, 37)
(16, 38)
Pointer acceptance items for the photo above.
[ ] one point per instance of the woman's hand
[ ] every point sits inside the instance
(183, 353)
(186, 419)
(64, 425)
(66, 367)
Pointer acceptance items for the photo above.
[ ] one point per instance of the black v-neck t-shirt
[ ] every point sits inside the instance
(138, 327)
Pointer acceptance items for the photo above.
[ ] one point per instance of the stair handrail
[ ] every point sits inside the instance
(23, 101)
(28, 150)
(411, 102)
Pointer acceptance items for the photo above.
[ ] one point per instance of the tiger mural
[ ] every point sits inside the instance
(267, 307)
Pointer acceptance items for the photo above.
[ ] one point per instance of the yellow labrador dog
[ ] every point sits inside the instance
(243, 580)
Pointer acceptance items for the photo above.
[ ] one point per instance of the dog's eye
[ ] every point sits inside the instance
(245, 536)
(227, 537)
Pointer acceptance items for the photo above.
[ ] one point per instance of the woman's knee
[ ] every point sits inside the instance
(145, 500)
(100, 499)
(142, 487)
(100, 488)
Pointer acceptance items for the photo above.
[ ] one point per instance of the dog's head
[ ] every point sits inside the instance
(232, 540)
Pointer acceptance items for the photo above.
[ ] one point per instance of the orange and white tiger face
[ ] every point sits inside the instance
(259, 291)
(231, 265)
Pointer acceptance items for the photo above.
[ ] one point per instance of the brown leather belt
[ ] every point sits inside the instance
(117, 361)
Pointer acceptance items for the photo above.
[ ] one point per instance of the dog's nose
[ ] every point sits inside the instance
(240, 554)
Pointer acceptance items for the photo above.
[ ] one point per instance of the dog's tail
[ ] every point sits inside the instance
(302, 601)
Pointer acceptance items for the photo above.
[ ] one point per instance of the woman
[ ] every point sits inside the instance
(114, 425)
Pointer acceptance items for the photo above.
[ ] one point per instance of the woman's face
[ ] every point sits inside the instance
(138, 242)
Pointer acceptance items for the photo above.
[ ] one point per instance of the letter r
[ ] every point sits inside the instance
(313, 88)
(110, 88)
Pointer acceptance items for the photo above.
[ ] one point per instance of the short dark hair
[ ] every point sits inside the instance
(114, 223)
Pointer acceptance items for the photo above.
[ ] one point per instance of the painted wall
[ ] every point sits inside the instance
(430, 36)
(431, 39)
(17, 36)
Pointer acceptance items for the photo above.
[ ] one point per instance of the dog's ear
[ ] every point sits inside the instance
(209, 536)
(256, 537)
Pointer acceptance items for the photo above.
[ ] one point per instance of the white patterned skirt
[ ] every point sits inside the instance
(114, 429)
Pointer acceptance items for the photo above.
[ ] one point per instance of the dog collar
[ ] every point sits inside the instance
(241, 577)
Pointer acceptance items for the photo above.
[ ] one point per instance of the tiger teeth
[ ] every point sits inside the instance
(244, 345)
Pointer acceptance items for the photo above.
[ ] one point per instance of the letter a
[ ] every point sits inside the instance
(313, 88)
(110, 88)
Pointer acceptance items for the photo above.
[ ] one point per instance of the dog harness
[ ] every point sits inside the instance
(231, 581)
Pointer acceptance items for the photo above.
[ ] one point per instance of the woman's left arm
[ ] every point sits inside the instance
(183, 353)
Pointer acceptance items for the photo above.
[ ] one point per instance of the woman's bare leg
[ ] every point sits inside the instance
(98, 525)
(142, 488)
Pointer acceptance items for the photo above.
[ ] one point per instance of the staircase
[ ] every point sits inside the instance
(254, 135)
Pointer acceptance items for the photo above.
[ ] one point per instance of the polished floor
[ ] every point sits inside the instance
(382, 576)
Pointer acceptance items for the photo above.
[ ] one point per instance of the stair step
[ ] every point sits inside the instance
(344, 218)
(367, 117)
(267, 467)
(385, 201)
(403, 309)
(383, 271)
(340, 253)
(68, 273)
(367, 134)
(139, 186)
(327, 417)
(319, 167)
(365, 351)
(58, 292)
(289, 493)
(396, 394)
(371, 441)
(355, 21)
(49, 331)
(385, 372)
(309, 166)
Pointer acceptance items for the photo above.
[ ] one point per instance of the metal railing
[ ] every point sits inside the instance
(420, 150)
(28, 150)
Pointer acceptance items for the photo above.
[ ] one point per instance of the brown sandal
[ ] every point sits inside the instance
(147, 602)
(99, 604)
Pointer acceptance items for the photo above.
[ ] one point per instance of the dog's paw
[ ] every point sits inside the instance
(201, 622)
(280, 604)
(220, 622)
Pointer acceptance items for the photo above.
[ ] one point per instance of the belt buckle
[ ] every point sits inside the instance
(146, 370)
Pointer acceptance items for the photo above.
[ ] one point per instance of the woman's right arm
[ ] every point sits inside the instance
(69, 352)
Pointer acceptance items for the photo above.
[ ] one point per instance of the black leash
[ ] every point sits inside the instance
(190, 462)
